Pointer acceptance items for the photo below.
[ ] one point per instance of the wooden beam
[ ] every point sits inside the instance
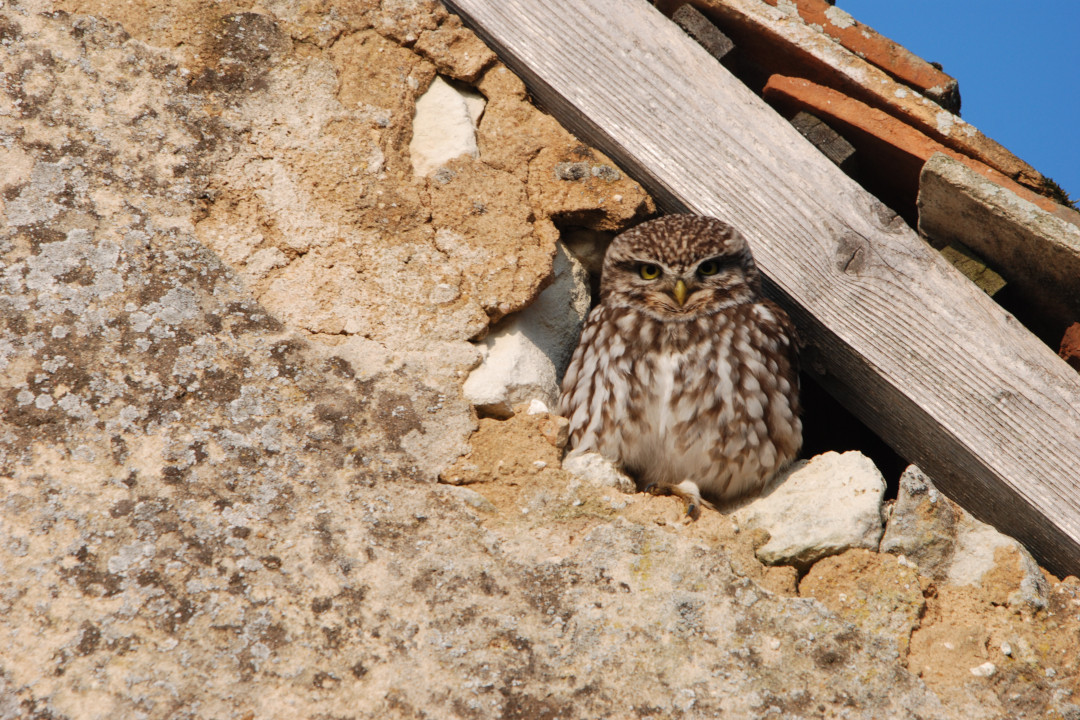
(914, 349)
(707, 35)
(831, 143)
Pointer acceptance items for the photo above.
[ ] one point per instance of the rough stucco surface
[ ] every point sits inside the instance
(230, 372)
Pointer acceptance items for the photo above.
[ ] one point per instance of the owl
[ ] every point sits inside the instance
(685, 376)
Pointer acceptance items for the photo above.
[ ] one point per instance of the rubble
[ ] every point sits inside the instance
(525, 357)
(946, 543)
(818, 508)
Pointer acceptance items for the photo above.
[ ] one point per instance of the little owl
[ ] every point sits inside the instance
(685, 376)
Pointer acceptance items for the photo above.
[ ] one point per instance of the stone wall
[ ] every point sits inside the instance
(238, 310)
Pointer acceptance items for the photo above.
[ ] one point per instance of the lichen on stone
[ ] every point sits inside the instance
(234, 332)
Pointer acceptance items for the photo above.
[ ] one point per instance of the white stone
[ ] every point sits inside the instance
(444, 126)
(599, 471)
(822, 507)
(525, 357)
(973, 557)
(537, 407)
(985, 670)
(475, 104)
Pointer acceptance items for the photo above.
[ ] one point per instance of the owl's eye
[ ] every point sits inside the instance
(709, 267)
(649, 271)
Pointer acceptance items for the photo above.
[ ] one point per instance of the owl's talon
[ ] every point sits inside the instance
(691, 495)
(686, 491)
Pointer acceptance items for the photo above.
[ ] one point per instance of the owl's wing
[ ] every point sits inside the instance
(575, 383)
(580, 402)
(782, 335)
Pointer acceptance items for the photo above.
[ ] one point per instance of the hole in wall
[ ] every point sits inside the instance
(827, 425)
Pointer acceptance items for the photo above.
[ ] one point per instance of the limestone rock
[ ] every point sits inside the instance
(579, 187)
(444, 127)
(877, 592)
(599, 471)
(524, 359)
(455, 50)
(999, 566)
(948, 544)
(922, 525)
(821, 507)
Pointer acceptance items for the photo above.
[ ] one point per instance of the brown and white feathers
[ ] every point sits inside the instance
(685, 376)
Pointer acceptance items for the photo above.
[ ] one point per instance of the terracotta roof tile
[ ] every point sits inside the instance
(902, 147)
(784, 43)
(867, 43)
(1070, 346)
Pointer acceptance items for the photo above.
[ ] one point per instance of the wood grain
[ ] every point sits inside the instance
(831, 143)
(914, 349)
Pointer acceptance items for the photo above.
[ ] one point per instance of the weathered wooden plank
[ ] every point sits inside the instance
(827, 140)
(707, 35)
(920, 354)
(973, 267)
(1037, 251)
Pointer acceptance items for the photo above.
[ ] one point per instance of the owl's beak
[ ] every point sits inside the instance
(679, 291)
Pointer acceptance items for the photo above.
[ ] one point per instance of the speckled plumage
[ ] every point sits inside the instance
(699, 397)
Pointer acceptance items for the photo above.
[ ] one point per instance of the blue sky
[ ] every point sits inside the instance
(1017, 62)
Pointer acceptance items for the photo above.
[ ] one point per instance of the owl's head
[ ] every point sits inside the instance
(679, 267)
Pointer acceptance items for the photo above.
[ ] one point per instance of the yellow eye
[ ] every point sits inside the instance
(709, 267)
(649, 272)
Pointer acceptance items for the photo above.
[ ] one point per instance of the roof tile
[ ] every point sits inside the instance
(867, 43)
